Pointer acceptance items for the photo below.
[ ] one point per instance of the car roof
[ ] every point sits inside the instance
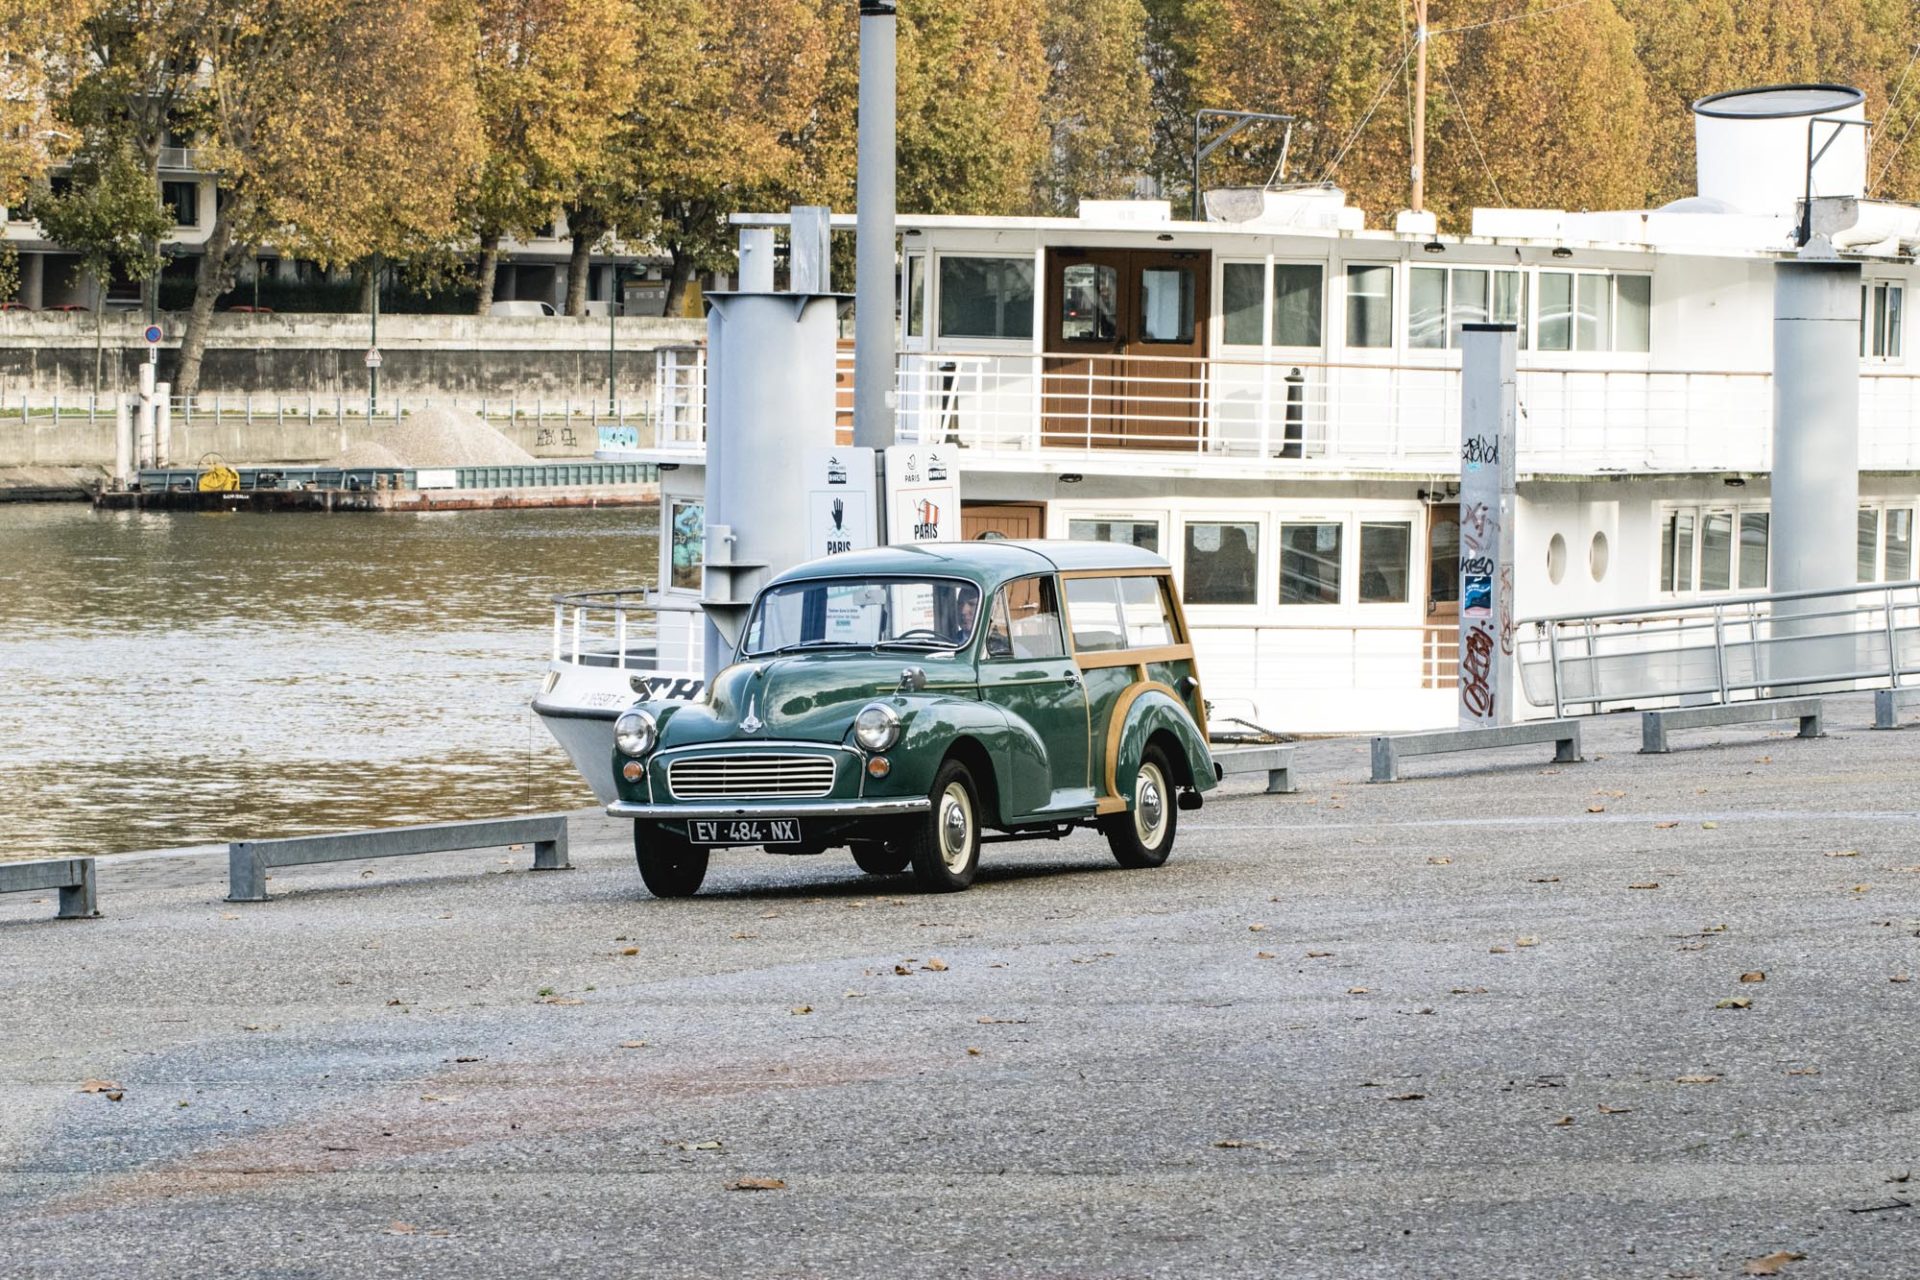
(986, 561)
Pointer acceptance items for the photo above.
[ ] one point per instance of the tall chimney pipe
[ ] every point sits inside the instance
(873, 336)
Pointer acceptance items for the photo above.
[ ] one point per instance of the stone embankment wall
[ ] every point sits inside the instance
(556, 358)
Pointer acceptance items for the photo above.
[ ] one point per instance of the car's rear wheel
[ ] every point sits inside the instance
(878, 859)
(670, 865)
(944, 844)
(1143, 835)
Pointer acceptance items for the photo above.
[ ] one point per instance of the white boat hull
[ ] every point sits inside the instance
(578, 704)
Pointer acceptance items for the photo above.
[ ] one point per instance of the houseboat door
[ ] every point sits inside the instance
(1125, 348)
(1440, 641)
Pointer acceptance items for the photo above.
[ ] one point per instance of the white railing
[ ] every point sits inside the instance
(1282, 415)
(621, 629)
(1722, 650)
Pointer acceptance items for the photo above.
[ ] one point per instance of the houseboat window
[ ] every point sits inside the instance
(1089, 304)
(1676, 544)
(1369, 306)
(1899, 544)
(1440, 300)
(986, 297)
(1869, 542)
(1310, 563)
(1716, 551)
(1244, 302)
(1166, 304)
(1753, 550)
(1222, 562)
(1880, 307)
(1144, 534)
(1143, 605)
(1386, 551)
(1590, 311)
(1025, 621)
(916, 295)
(688, 521)
(1296, 304)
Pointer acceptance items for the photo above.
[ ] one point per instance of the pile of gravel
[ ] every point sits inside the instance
(434, 438)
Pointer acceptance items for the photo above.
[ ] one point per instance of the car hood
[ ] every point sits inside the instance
(810, 697)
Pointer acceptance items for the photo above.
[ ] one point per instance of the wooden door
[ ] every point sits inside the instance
(1003, 520)
(1087, 323)
(1440, 648)
(1165, 366)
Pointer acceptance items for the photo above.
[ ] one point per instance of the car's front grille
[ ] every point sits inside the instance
(750, 777)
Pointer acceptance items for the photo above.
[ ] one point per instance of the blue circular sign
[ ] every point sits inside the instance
(153, 335)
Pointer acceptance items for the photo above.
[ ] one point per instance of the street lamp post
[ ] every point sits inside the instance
(613, 309)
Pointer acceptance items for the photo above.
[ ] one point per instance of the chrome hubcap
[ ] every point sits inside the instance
(1150, 807)
(955, 827)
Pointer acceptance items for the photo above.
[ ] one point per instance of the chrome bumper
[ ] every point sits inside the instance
(772, 809)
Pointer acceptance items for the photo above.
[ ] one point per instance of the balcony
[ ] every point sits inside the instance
(1276, 418)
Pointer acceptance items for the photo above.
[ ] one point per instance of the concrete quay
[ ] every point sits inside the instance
(1479, 1023)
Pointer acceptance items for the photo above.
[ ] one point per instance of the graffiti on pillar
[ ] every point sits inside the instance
(1476, 670)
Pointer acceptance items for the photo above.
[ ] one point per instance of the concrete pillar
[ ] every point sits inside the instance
(1816, 462)
(144, 431)
(759, 432)
(873, 335)
(33, 280)
(163, 424)
(123, 443)
(1488, 469)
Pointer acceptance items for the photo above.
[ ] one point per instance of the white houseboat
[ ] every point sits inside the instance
(1270, 399)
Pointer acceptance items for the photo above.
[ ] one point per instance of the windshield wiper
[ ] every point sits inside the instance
(919, 644)
(806, 644)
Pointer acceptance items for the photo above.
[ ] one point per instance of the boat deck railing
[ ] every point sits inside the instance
(620, 628)
(1722, 651)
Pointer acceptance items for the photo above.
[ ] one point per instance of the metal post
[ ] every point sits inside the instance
(1720, 648)
(1420, 106)
(1487, 481)
(1553, 657)
(873, 335)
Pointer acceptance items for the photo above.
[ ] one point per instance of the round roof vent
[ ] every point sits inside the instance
(1777, 101)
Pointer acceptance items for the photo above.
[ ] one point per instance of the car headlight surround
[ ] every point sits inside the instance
(876, 727)
(635, 733)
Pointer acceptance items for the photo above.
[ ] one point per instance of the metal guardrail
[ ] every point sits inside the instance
(1655, 725)
(1387, 749)
(1274, 761)
(1887, 704)
(248, 861)
(73, 877)
(1738, 648)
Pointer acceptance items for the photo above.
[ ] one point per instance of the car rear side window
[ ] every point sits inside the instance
(1025, 622)
(1130, 612)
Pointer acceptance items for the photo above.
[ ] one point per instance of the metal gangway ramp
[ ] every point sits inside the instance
(1722, 651)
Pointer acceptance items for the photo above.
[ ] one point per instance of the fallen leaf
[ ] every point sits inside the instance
(1231, 1144)
(800, 1009)
(97, 1086)
(935, 965)
(1665, 826)
(1900, 977)
(1606, 1110)
(1469, 991)
(1902, 1177)
(633, 1044)
(1544, 880)
(1804, 1071)
(903, 971)
(1318, 955)
(972, 1052)
(1754, 975)
(1596, 808)
(1709, 826)
(1861, 888)
(1699, 1079)
(757, 1184)
(742, 937)
(769, 915)
(1645, 884)
(1356, 991)
(629, 951)
(1735, 1002)
(1498, 951)
(1405, 1097)
(1526, 942)
(1268, 955)
(1564, 1122)
(705, 1144)
(563, 1000)
(1843, 853)
(996, 1022)
(469, 1059)
(401, 1229)
(1771, 1264)
(1439, 862)
(855, 995)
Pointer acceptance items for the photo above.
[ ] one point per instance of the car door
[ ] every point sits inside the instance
(1026, 670)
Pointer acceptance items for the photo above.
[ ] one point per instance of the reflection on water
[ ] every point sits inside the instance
(186, 679)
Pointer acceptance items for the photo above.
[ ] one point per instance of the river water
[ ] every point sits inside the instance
(186, 679)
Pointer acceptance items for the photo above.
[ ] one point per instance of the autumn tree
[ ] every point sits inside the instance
(971, 131)
(40, 45)
(738, 106)
(552, 78)
(1097, 105)
(337, 129)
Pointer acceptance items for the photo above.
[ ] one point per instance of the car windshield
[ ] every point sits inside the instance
(913, 613)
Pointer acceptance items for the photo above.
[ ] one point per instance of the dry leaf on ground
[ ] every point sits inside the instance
(1709, 826)
(935, 965)
(1771, 1264)
(1356, 991)
(97, 1086)
(629, 951)
(757, 1184)
(1665, 826)
(1439, 862)
(1606, 1110)
(1900, 977)
(1735, 1002)
(401, 1229)
(801, 1008)
(1405, 1097)
(1843, 853)
(1645, 884)
(633, 1044)
(1596, 808)
(1754, 975)
(973, 1051)
(1318, 955)
(1528, 941)
(1704, 1078)
(1564, 1122)
(1263, 955)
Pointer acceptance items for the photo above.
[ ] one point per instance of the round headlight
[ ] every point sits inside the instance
(877, 727)
(634, 733)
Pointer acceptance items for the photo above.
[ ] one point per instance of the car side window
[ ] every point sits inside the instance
(1025, 622)
(1093, 608)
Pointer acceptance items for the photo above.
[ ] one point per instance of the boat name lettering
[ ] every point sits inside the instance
(649, 687)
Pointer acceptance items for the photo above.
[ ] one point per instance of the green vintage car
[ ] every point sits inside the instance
(907, 701)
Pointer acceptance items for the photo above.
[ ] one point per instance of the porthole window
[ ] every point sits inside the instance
(1556, 559)
(1597, 554)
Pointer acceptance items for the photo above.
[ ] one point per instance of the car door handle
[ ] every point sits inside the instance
(1071, 676)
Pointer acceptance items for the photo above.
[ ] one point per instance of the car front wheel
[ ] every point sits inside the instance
(670, 865)
(944, 845)
(1143, 835)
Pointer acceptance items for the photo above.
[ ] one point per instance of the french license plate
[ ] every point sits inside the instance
(744, 830)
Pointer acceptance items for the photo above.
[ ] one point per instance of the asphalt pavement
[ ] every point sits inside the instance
(1640, 1016)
